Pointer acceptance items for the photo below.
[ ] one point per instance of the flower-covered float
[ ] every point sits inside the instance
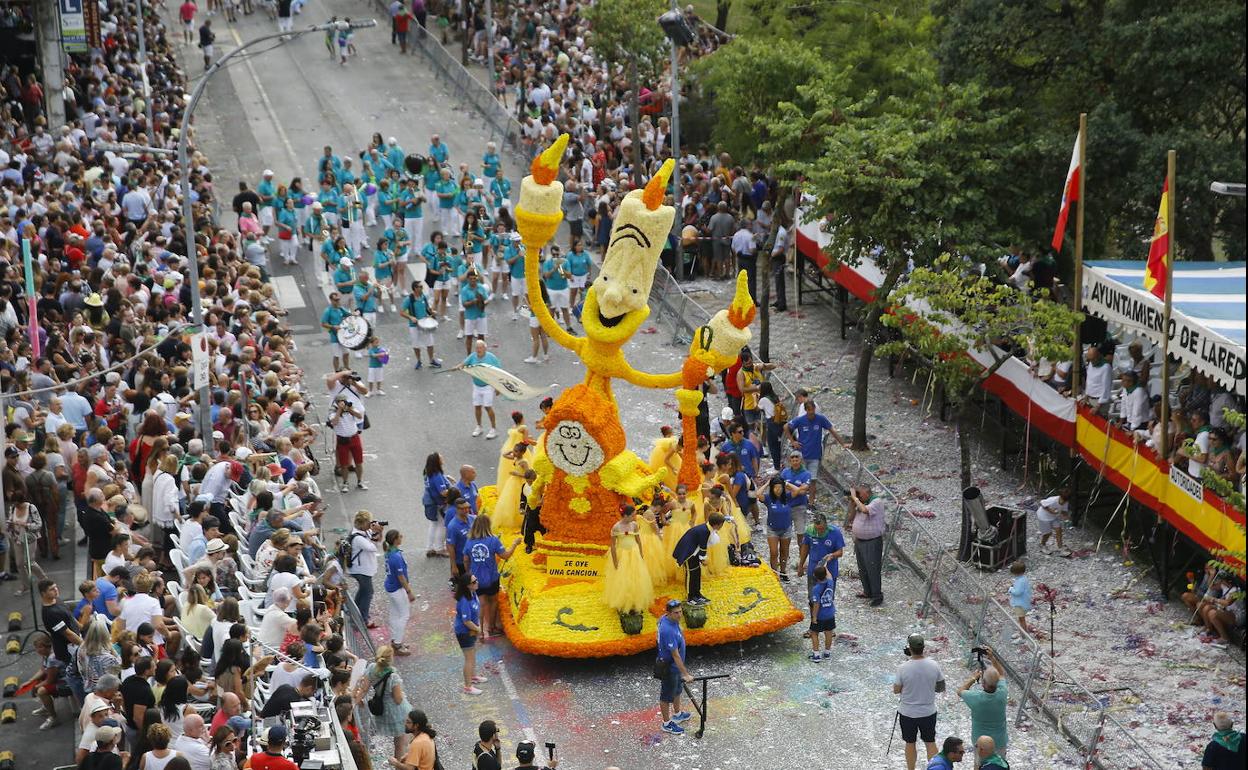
(556, 599)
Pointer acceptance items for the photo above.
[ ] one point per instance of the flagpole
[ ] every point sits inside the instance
(1075, 369)
(32, 300)
(1165, 325)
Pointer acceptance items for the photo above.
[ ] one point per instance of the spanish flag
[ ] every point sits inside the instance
(1159, 249)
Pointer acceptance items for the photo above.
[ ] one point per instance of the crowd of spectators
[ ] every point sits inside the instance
(199, 609)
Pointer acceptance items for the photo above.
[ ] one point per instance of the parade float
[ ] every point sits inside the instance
(556, 599)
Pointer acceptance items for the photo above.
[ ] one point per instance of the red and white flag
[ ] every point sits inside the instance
(1070, 194)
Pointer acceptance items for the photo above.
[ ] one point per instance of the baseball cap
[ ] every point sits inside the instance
(673, 604)
(525, 751)
(242, 453)
(275, 734)
(915, 642)
(726, 413)
(345, 262)
(268, 172)
(105, 734)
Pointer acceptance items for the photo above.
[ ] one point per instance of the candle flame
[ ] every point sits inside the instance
(742, 310)
(657, 186)
(545, 166)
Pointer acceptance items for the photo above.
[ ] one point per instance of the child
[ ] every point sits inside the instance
(823, 611)
(378, 357)
(86, 605)
(1020, 594)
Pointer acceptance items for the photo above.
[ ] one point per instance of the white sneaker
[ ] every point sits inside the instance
(515, 316)
(472, 691)
(545, 358)
(492, 434)
(41, 711)
(393, 308)
(459, 335)
(369, 394)
(476, 431)
(530, 360)
(381, 392)
(49, 723)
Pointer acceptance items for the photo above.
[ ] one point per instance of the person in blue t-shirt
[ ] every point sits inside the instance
(416, 307)
(473, 297)
(333, 315)
(398, 590)
(490, 162)
(775, 498)
(671, 663)
(106, 601)
(467, 627)
(556, 275)
(744, 448)
(457, 528)
(806, 434)
(438, 150)
(822, 545)
(579, 264)
(500, 190)
(378, 356)
(513, 259)
(823, 614)
(439, 504)
(797, 479)
(481, 553)
(482, 391)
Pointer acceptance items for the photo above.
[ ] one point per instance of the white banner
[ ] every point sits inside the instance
(1193, 343)
(199, 361)
(508, 385)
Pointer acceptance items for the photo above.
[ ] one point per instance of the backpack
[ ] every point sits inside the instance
(377, 703)
(343, 551)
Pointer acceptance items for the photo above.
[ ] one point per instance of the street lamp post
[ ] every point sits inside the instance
(147, 85)
(188, 215)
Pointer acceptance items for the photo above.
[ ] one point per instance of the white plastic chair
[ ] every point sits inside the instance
(180, 561)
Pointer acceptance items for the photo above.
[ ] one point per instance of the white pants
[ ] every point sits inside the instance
(288, 249)
(356, 237)
(285, 24)
(387, 222)
(370, 210)
(415, 227)
(446, 223)
(400, 611)
(301, 216)
(437, 536)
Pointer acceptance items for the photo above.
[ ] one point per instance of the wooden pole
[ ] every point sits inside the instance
(1165, 326)
(1076, 367)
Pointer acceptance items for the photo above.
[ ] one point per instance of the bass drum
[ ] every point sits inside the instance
(354, 332)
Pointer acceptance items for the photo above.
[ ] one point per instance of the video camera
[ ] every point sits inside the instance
(979, 653)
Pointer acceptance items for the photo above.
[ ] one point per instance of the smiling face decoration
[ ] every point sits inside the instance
(572, 450)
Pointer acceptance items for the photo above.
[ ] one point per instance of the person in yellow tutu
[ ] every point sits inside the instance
(717, 501)
(665, 457)
(626, 586)
(652, 543)
(680, 517)
(512, 465)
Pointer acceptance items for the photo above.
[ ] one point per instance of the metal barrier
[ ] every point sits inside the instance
(954, 592)
(357, 640)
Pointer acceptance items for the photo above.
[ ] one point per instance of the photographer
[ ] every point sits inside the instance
(988, 704)
(866, 523)
(527, 750)
(346, 417)
(918, 681)
(365, 535)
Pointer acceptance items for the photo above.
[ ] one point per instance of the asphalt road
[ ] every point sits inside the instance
(277, 110)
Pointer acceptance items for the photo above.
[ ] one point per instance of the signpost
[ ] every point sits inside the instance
(73, 26)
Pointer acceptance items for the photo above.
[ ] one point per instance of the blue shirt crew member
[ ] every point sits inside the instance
(806, 433)
(797, 481)
(398, 591)
(490, 162)
(333, 315)
(457, 535)
(822, 545)
(438, 150)
(473, 297)
(822, 614)
(670, 668)
(743, 448)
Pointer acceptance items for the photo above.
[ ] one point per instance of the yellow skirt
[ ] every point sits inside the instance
(662, 446)
(672, 533)
(652, 553)
(505, 464)
(506, 513)
(627, 587)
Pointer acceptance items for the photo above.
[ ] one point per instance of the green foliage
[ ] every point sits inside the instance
(1151, 74)
(948, 308)
(1232, 560)
(626, 30)
(917, 176)
(748, 78)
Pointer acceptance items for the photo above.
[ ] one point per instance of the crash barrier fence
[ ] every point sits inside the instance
(953, 591)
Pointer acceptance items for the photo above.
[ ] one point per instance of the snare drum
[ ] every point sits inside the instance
(427, 323)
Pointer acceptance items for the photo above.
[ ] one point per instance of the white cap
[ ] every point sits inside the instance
(345, 262)
(392, 140)
(725, 413)
(268, 172)
(242, 453)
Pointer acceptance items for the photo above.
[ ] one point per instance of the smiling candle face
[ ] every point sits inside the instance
(572, 450)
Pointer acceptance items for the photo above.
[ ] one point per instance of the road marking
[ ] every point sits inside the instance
(268, 106)
(288, 294)
(522, 714)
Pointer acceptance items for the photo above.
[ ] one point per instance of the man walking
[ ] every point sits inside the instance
(482, 391)
(670, 668)
(918, 681)
(415, 308)
(690, 552)
(805, 432)
(866, 524)
(206, 38)
(987, 705)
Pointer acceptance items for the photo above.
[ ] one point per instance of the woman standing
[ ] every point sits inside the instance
(626, 586)
(480, 554)
(467, 628)
(779, 524)
(287, 232)
(382, 675)
(437, 489)
(398, 590)
(21, 529)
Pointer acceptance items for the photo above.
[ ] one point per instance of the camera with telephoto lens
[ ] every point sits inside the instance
(979, 653)
(381, 523)
(303, 738)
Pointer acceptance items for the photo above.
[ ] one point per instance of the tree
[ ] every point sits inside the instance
(1151, 75)
(900, 178)
(627, 32)
(949, 308)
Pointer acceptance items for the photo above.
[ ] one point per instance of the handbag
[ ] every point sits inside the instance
(661, 668)
(366, 424)
(377, 703)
